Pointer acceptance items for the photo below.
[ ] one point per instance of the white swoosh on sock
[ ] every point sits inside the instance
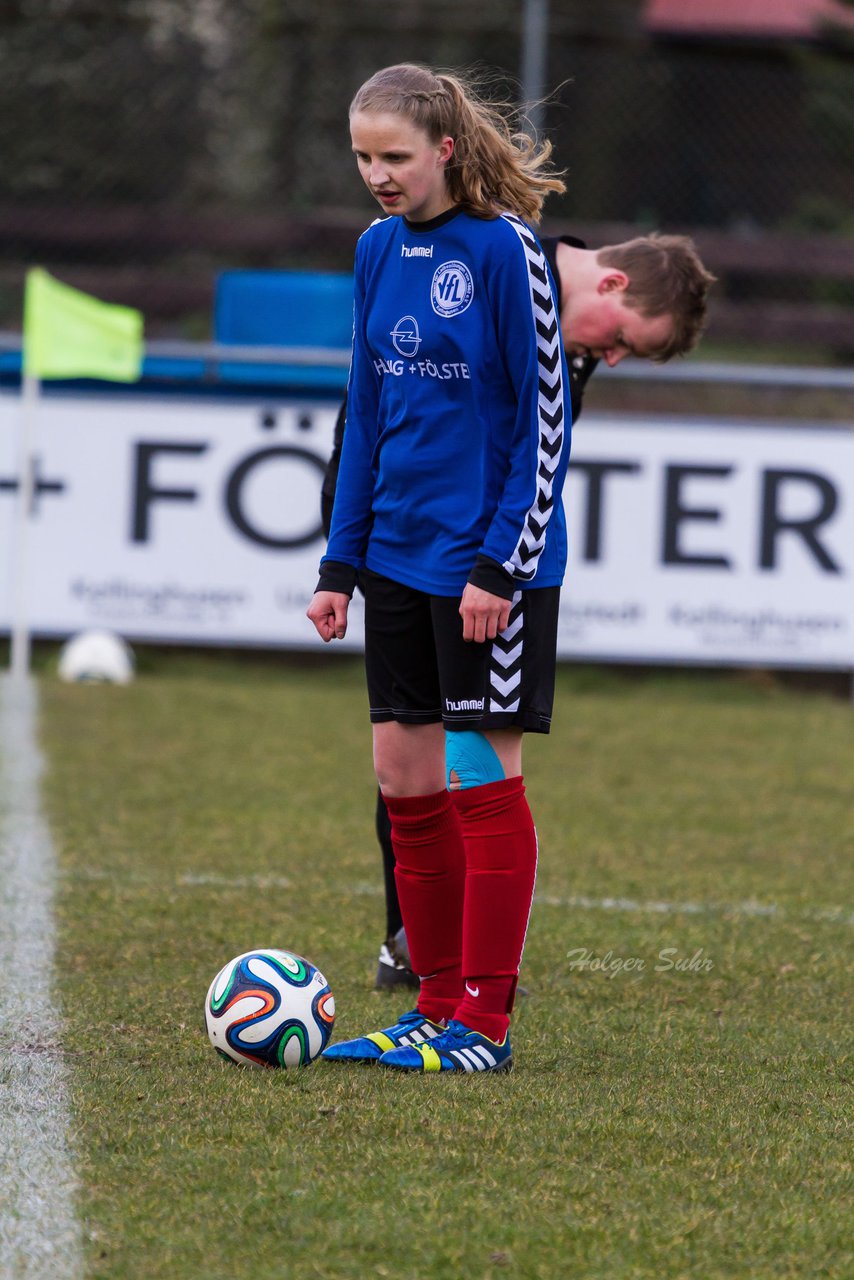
(473, 991)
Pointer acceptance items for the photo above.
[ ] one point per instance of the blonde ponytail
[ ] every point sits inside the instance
(494, 168)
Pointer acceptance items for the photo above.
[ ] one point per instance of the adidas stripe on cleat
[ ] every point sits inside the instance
(458, 1048)
(412, 1029)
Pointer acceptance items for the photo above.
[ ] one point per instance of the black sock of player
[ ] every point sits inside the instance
(394, 920)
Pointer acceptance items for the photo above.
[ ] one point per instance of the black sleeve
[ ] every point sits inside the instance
(491, 576)
(335, 576)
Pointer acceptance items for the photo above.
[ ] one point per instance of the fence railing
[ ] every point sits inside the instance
(210, 355)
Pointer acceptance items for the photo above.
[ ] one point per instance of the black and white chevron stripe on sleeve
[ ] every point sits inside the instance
(550, 406)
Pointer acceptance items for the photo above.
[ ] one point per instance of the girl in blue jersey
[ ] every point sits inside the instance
(449, 509)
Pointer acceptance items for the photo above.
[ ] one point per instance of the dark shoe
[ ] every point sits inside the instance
(394, 967)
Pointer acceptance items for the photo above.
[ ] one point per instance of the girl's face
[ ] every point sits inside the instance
(401, 167)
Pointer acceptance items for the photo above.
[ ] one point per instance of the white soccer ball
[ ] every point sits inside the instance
(269, 1008)
(96, 657)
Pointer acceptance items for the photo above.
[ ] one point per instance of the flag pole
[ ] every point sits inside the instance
(20, 646)
(67, 334)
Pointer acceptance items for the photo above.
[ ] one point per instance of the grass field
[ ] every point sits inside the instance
(684, 1115)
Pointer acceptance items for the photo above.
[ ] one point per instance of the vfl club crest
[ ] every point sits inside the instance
(452, 289)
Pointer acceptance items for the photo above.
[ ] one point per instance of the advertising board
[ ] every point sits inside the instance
(196, 520)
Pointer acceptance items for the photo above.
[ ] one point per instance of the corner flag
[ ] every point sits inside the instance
(69, 334)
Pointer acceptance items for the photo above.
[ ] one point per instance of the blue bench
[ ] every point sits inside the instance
(288, 309)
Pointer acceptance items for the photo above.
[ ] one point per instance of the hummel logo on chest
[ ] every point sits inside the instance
(416, 251)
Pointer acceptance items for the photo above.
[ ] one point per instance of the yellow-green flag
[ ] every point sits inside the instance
(69, 334)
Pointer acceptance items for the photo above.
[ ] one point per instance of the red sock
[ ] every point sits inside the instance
(501, 867)
(430, 875)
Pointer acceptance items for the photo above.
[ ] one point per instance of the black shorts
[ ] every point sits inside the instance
(421, 671)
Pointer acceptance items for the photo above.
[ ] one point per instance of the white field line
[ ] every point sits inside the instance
(574, 902)
(39, 1235)
(750, 910)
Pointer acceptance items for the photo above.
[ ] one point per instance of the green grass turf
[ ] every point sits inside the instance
(659, 1123)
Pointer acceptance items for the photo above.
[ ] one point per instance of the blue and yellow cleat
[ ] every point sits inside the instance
(412, 1029)
(458, 1048)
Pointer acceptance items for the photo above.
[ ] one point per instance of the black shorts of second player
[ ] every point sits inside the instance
(421, 671)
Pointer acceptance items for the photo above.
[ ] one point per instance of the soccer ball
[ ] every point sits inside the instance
(96, 657)
(269, 1009)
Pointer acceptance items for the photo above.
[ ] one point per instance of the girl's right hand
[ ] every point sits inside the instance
(328, 612)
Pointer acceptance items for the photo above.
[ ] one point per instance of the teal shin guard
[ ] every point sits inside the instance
(470, 760)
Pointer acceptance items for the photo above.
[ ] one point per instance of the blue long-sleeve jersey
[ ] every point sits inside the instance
(458, 417)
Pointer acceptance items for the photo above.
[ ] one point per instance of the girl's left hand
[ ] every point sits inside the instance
(484, 615)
